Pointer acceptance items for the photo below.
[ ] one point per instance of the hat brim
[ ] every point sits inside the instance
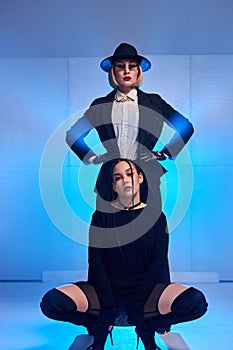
(106, 64)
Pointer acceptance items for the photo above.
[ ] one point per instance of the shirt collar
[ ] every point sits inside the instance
(132, 94)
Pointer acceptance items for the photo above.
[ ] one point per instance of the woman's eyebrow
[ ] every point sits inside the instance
(129, 169)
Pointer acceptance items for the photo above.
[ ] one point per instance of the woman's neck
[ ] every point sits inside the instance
(130, 207)
(125, 203)
(125, 91)
(128, 202)
(116, 204)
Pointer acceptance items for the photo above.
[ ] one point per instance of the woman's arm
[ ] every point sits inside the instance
(181, 125)
(75, 137)
(97, 275)
(153, 275)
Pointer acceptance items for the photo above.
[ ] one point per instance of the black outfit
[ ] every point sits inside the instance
(131, 270)
(126, 279)
(153, 113)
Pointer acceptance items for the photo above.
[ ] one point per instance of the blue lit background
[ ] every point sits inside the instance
(42, 84)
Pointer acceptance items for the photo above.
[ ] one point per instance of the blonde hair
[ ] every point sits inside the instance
(113, 82)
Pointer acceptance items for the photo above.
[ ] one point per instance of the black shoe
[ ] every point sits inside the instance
(93, 347)
(163, 330)
(100, 336)
(99, 347)
(90, 330)
(147, 338)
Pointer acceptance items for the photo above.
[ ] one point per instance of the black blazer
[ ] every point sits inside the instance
(153, 113)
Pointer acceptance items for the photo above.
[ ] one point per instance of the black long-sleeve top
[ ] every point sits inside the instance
(133, 268)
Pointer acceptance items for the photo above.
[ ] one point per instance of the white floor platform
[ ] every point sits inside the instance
(24, 327)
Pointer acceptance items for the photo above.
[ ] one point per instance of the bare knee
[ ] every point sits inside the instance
(77, 295)
(170, 293)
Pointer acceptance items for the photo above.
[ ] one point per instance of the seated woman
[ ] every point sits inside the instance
(127, 274)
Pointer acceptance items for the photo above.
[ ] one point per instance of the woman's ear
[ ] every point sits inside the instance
(114, 187)
(140, 178)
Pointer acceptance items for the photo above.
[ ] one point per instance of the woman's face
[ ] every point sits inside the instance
(126, 180)
(126, 74)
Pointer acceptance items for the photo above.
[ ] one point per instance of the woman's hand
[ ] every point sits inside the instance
(147, 156)
(160, 155)
(100, 159)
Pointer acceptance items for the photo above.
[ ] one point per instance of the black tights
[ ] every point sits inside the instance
(59, 306)
(189, 305)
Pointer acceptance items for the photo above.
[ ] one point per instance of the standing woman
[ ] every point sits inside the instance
(129, 123)
(127, 275)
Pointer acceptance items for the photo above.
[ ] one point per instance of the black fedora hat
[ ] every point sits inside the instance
(125, 51)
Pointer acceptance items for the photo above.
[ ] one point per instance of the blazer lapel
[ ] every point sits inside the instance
(144, 106)
(108, 132)
(150, 120)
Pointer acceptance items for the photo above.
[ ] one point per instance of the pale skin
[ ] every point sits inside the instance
(126, 77)
(126, 183)
(123, 186)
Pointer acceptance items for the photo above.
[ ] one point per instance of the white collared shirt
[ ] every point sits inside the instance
(125, 119)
